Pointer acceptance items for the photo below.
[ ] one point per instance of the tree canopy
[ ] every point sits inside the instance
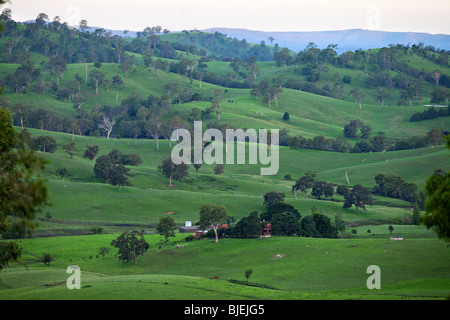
(248, 227)
(173, 171)
(23, 192)
(359, 196)
(131, 245)
(212, 216)
(166, 227)
(437, 204)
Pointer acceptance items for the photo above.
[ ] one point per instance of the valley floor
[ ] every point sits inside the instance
(284, 268)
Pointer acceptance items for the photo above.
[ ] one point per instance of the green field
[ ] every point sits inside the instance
(149, 196)
(414, 268)
(284, 268)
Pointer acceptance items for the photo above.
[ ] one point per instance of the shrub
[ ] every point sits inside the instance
(91, 152)
(47, 258)
(62, 172)
(97, 230)
(391, 229)
(219, 169)
(342, 190)
(132, 159)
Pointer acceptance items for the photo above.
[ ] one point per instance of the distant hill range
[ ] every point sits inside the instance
(346, 40)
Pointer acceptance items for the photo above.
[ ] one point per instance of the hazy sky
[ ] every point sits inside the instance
(430, 16)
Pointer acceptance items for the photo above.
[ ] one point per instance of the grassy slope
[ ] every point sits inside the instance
(83, 201)
(310, 115)
(149, 196)
(307, 269)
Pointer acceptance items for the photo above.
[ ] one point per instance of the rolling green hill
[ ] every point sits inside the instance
(283, 267)
(149, 196)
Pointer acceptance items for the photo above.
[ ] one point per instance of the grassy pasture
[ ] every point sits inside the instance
(290, 268)
(82, 200)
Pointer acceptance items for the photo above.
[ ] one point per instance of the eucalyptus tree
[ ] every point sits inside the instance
(212, 216)
(57, 66)
(117, 81)
(98, 77)
(131, 245)
(358, 95)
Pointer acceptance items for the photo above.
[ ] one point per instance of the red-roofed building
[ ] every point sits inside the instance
(266, 230)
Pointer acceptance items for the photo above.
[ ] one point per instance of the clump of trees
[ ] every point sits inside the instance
(248, 227)
(268, 93)
(430, 113)
(318, 188)
(367, 143)
(322, 188)
(338, 144)
(284, 220)
(440, 95)
(394, 186)
(111, 167)
(304, 183)
(173, 171)
(358, 196)
(351, 130)
(44, 143)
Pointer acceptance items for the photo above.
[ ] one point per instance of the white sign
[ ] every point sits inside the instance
(374, 281)
(74, 281)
